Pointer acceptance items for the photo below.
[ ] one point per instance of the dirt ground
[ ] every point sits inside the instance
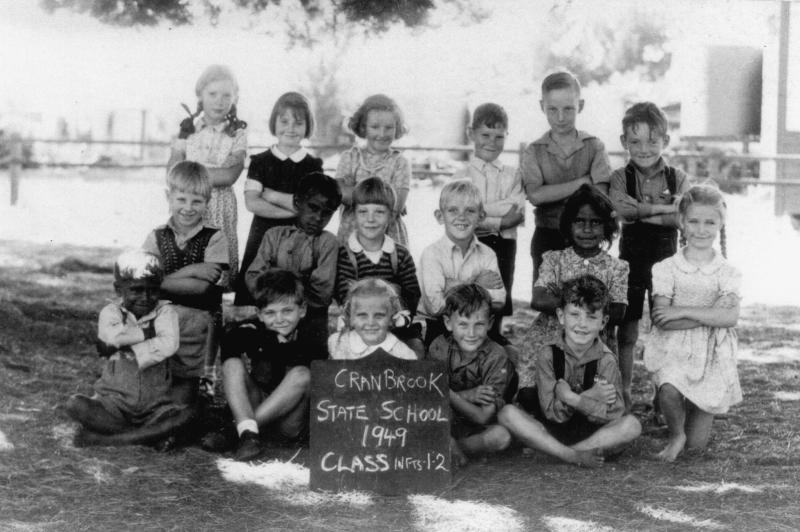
(747, 479)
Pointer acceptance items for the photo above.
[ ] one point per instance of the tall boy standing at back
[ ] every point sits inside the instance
(645, 194)
(501, 190)
(557, 164)
(195, 259)
(458, 257)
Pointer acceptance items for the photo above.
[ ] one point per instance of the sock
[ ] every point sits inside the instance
(247, 424)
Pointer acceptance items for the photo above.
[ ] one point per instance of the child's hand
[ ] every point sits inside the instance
(489, 280)
(512, 218)
(483, 395)
(662, 315)
(563, 391)
(602, 392)
(207, 271)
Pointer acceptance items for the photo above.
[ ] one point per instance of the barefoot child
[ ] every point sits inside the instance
(195, 260)
(501, 190)
(274, 393)
(589, 226)
(481, 376)
(645, 195)
(563, 159)
(692, 346)
(137, 336)
(370, 252)
(273, 177)
(368, 314)
(580, 412)
(380, 122)
(306, 250)
(458, 257)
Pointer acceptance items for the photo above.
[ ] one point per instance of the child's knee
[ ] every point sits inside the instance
(233, 367)
(508, 415)
(299, 376)
(631, 426)
(669, 392)
(497, 438)
(76, 406)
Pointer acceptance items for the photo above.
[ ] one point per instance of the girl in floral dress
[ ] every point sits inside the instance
(380, 122)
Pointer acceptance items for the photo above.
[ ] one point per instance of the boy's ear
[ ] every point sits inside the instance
(482, 214)
(470, 134)
(605, 320)
(580, 105)
(560, 316)
(439, 216)
(623, 141)
(447, 323)
(166, 194)
(666, 140)
(541, 105)
(117, 288)
(303, 309)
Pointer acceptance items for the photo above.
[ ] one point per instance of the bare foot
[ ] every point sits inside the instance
(588, 458)
(457, 456)
(673, 448)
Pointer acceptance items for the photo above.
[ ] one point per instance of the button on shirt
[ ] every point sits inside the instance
(443, 265)
(651, 189)
(501, 188)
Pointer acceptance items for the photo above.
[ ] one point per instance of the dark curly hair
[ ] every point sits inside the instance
(600, 204)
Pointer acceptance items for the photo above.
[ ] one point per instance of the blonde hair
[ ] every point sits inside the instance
(377, 102)
(190, 177)
(215, 73)
(460, 187)
(371, 286)
(707, 194)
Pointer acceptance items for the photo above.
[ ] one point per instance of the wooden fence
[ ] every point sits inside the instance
(714, 163)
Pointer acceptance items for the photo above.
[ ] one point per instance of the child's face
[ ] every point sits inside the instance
(379, 130)
(644, 145)
(290, 129)
(489, 141)
(282, 316)
(139, 296)
(460, 217)
(313, 214)
(370, 318)
(186, 209)
(469, 332)
(701, 225)
(587, 229)
(561, 106)
(372, 219)
(217, 98)
(581, 325)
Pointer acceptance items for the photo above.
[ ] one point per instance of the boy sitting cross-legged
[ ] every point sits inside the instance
(481, 376)
(306, 250)
(580, 409)
(195, 260)
(275, 392)
(138, 335)
(458, 257)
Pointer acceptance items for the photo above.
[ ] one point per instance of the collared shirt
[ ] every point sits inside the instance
(545, 163)
(501, 188)
(348, 345)
(651, 189)
(442, 265)
(488, 365)
(574, 367)
(312, 258)
(216, 251)
(366, 265)
(257, 185)
(118, 327)
(211, 145)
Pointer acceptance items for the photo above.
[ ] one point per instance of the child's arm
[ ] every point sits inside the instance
(194, 279)
(165, 342)
(407, 279)
(259, 204)
(345, 176)
(432, 282)
(345, 275)
(491, 281)
(322, 280)
(536, 190)
(476, 404)
(554, 408)
(228, 172)
(401, 182)
(602, 402)
(546, 289)
(618, 291)
(115, 329)
(724, 313)
(600, 171)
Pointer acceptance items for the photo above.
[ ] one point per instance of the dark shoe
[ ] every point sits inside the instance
(218, 441)
(249, 447)
(167, 444)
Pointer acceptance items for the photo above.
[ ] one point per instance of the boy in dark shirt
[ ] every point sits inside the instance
(275, 391)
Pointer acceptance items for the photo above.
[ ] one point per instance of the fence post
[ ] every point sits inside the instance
(15, 166)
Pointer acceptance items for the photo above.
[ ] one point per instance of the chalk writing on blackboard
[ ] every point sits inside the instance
(380, 424)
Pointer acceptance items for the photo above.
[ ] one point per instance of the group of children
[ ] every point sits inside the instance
(566, 392)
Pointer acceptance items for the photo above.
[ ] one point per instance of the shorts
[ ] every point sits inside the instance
(199, 339)
(134, 395)
(642, 247)
(462, 427)
(124, 413)
(574, 430)
(506, 251)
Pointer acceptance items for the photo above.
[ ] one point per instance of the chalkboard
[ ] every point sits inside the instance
(379, 424)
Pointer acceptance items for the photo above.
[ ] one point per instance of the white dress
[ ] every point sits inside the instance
(699, 362)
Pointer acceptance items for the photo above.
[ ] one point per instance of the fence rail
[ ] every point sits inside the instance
(15, 158)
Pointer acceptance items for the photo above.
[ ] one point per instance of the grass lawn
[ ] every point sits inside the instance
(747, 479)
